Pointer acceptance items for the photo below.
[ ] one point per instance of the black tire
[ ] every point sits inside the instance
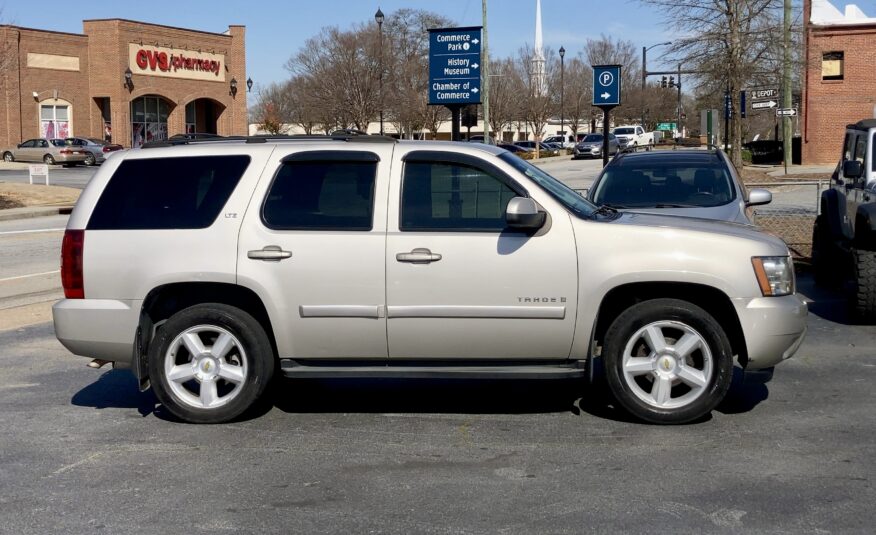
(8, 157)
(864, 289)
(825, 256)
(259, 358)
(623, 331)
(48, 159)
(90, 160)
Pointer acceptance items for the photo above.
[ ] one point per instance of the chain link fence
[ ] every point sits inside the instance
(792, 213)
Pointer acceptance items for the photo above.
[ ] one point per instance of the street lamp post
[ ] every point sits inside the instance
(645, 73)
(562, 96)
(379, 18)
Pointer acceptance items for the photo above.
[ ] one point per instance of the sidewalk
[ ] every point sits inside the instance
(778, 171)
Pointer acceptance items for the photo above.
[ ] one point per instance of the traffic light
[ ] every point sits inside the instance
(663, 82)
(671, 82)
(470, 116)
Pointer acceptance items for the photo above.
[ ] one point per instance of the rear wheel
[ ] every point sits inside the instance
(8, 157)
(48, 159)
(667, 361)
(210, 363)
(864, 294)
(89, 159)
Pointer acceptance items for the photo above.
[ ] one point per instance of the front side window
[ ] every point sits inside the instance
(321, 195)
(447, 196)
(167, 193)
(29, 144)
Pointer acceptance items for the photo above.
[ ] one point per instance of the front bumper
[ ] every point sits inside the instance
(774, 328)
(98, 328)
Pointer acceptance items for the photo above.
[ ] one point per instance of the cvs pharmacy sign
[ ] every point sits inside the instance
(176, 63)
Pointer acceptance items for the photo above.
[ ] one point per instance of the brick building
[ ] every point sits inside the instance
(839, 76)
(120, 79)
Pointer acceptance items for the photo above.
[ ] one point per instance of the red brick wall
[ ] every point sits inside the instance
(830, 105)
(103, 58)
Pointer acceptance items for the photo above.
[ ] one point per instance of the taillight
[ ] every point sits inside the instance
(72, 278)
(106, 149)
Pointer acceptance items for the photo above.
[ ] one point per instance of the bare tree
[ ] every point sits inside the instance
(729, 43)
(578, 94)
(273, 109)
(608, 51)
(536, 106)
(506, 86)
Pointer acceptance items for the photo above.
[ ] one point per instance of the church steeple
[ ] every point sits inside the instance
(538, 70)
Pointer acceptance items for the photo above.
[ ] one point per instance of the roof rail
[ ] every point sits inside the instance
(267, 138)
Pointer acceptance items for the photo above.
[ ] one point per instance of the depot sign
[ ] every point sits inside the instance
(176, 63)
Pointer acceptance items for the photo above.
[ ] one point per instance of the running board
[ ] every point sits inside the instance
(420, 370)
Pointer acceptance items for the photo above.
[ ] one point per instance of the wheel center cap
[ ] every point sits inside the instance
(208, 367)
(666, 364)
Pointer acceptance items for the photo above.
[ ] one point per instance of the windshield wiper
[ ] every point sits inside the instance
(606, 209)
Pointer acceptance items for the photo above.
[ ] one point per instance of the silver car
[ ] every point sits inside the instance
(691, 183)
(49, 151)
(591, 146)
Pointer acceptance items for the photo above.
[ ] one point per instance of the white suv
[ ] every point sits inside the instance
(209, 267)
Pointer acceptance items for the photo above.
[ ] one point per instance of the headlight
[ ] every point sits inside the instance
(775, 275)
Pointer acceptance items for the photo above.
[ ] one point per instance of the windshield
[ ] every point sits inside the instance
(623, 131)
(665, 183)
(590, 138)
(559, 191)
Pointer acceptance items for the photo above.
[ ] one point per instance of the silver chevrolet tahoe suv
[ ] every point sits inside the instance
(211, 267)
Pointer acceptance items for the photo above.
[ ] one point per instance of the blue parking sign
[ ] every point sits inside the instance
(606, 85)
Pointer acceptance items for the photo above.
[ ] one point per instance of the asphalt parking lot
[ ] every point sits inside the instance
(84, 451)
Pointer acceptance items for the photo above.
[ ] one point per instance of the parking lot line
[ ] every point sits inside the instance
(30, 275)
(9, 232)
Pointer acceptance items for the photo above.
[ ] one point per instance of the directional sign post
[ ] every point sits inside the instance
(764, 105)
(786, 112)
(454, 69)
(606, 95)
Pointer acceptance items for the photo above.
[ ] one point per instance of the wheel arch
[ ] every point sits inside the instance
(709, 298)
(164, 301)
(865, 227)
(831, 210)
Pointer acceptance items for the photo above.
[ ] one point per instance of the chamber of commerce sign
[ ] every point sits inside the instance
(176, 63)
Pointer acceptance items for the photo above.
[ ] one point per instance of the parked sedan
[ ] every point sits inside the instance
(591, 146)
(97, 149)
(544, 149)
(692, 183)
(49, 151)
(515, 149)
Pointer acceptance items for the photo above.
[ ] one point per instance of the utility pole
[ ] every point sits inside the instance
(485, 77)
(678, 110)
(786, 87)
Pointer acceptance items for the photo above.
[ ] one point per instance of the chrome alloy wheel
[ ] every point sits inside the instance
(667, 364)
(205, 366)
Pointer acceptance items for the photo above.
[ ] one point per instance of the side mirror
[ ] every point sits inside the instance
(522, 214)
(852, 169)
(757, 197)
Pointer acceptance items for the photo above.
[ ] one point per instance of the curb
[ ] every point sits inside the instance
(28, 212)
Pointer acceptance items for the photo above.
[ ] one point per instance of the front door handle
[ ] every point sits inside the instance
(270, 253)
(420, 255)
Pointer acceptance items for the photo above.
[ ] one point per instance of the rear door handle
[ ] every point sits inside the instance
(420, 255)
(270, 253)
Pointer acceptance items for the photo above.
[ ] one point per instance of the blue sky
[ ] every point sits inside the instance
(276, 29)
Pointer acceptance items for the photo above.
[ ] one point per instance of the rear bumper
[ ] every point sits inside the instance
(774, 328)
(97, 328)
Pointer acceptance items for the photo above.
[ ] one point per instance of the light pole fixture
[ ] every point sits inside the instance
(645, 73)
(378, 17)
(249, 85)
(129, 80)
(233, 85)
(562, 96)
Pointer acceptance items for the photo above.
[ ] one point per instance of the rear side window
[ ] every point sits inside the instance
(321, 195)
(167, 193)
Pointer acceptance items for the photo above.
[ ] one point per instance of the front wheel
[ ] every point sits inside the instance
(209, 363)
(8, 157)
(667, 361)
(48, 159)
(89, 160)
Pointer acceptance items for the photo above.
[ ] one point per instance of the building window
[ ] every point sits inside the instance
(832, 66)
(149, 122)
(191, 118)
(55, 121)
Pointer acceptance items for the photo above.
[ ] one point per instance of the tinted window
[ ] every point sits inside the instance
(448, 196)
(29, 144)
(322, 195)
(623, 131)
(167, 193)
(590, 138)
(59, 142)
